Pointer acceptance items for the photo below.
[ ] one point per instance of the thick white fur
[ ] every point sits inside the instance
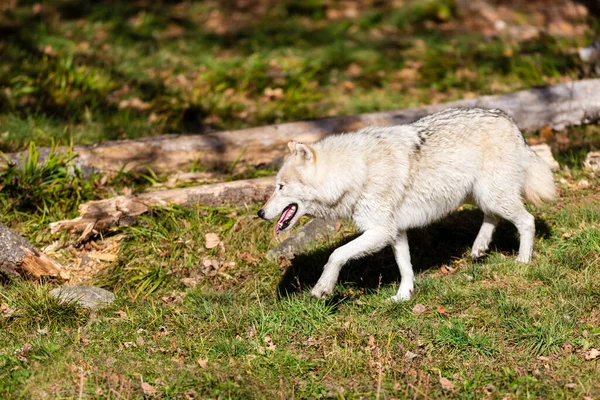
(388, 180)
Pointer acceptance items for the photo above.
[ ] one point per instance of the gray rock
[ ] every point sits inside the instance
(87, 296)
(302, 239)
(592, 161)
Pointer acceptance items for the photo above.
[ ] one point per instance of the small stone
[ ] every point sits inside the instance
(409, 355)
(86, 296)
(592, 161)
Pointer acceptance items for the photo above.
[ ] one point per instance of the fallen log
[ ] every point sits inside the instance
(556, 106)
(19, 258)
(100, 215)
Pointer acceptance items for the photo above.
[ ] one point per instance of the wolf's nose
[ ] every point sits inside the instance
(261, 213)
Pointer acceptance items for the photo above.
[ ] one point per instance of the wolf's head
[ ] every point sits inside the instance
(295, 184)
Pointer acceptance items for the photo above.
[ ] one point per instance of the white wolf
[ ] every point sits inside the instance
(391, 179)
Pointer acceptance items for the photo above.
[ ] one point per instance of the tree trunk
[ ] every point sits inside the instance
(19, 258)
(101, 215)
(556, 106)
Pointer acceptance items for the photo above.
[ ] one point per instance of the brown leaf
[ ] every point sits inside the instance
(272, 94)
(442, 310)
(348, 86)
(134, 103)
(190, 394)
(6, 311)
(447, 384)
(592, 354)
(189, 282)
(419, 309)
(269, 343)
(148, 389)
(202, 362)
(212, 240)
(546, 133)
(354, 70)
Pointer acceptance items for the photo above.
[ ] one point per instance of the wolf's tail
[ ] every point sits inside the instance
(539, 183)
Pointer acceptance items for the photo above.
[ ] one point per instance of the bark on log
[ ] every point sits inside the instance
(556, 106)
(19, 258)
(101, 215)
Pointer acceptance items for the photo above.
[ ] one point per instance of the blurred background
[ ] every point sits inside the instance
(90, 71)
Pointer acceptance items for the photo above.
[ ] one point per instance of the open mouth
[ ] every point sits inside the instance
(286, 217)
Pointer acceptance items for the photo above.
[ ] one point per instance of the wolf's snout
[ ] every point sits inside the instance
(261, 213)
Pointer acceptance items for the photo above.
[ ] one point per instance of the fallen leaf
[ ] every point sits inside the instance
(269, 343)
(6, 311)
(190, 394)
(571, 385)
(547, 133)
(409, 355)
(447, 384)
(212, 240)
(202, 362)
(189, 282)
(134, 103)
(272, 94)
(140, 341)
(419, 309)
(348, 86)
(147, 389)
(442, 310)
(592, 354)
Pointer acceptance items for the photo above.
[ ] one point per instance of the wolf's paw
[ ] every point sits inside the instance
(523, 259)
(402, 295)
(321, 290)
(477, 252)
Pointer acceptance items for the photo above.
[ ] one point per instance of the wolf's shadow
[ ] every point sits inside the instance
(430, 247)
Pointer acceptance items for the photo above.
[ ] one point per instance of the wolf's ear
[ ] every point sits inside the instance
(292, 147)
(306, 152)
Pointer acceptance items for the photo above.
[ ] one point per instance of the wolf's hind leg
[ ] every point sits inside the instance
(511, 208)
(402, 255)
(369, 242)
(484, 237)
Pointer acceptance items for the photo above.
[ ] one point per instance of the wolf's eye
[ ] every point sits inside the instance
(280, 186)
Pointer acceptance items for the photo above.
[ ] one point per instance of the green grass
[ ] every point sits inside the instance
(523, 329)
(193, 322)
(71, 69)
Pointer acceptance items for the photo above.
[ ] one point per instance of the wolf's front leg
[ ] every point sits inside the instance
(402, 255)
(369, 242)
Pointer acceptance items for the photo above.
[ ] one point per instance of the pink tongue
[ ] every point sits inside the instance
(288, 210)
